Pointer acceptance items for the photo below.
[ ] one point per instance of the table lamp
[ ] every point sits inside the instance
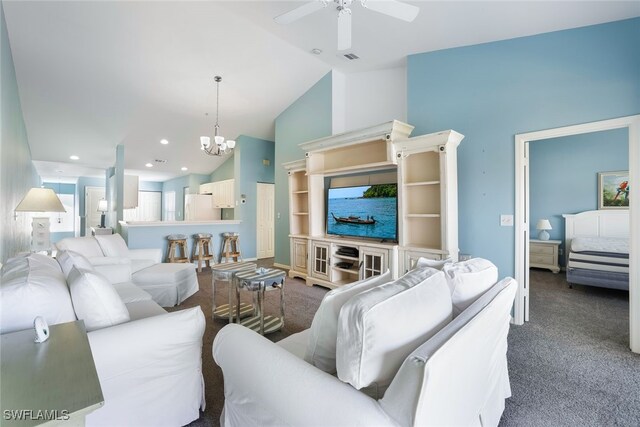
(40, 200)
(543, 225)
(102, 207)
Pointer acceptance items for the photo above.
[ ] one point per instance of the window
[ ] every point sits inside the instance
(149, 207)
(169, 206)
(62, 221)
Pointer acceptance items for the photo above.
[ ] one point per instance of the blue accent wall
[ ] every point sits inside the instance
(17, 173)
(249, 170)
(491, 92)
(224, 171)
(308, 118)
(149, 186)
(192, 181)
(563, 174)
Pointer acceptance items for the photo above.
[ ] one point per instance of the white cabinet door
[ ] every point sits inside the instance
(206, 188)
(374, 261)
(410, 257)
(320, 260)
(299, 258)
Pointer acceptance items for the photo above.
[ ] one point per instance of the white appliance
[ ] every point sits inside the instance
(200, 207)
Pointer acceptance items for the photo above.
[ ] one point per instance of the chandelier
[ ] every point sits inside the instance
(219, 147)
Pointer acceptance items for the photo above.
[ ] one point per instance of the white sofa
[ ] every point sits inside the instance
(149, 367)
(168, 284)
(403, 355)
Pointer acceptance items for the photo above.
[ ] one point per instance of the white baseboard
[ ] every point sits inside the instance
(284, 266)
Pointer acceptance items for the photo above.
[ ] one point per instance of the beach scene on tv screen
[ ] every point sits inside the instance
(367, 211)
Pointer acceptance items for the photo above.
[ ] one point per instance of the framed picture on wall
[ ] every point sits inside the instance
(613, 190)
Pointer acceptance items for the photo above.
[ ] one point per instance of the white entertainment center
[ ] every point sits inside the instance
(425, 170)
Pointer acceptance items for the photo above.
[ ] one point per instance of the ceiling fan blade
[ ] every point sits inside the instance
(300, 12)
(344, 29)
(393, 8)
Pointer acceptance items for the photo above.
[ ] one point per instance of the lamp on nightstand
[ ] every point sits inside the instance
(543, 225)
(40, 200)
(102, 208)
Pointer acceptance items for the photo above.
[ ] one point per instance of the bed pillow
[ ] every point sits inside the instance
(321, 347)
(95, 300)
(378, 328)
(70, 259)
(468, 280)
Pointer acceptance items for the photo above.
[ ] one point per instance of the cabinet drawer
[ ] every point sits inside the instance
(541, 249)
(541, 259)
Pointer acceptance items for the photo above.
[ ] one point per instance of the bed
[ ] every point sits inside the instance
(597, 247)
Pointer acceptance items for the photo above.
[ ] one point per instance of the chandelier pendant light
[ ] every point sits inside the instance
(219, 147)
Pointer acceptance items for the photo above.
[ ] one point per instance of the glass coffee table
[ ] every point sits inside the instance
(226, 272)
(259, 281)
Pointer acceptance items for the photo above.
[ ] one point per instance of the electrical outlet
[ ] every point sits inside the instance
(506, 220)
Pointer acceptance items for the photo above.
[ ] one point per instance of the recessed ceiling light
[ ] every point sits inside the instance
(164, 141)
(184, 168)
(316, 51)
(74, 157)
(149, 165)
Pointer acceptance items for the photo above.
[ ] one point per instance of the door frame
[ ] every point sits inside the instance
(521, 269)
(87, 228)
(273, 222)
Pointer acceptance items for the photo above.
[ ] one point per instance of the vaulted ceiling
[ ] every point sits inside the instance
(92, 75)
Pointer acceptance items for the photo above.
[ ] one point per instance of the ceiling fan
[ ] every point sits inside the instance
(393, 8)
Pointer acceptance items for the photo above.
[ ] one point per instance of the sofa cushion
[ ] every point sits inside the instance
(95, 300)
(168, 283)
(143, 309)
(87, 246)
(378, 328)
(321, 348)
(128, 292)
(468, 280)
(296, 344)
(33, 286)
(70, 259)
(438, 264)
(112, 245)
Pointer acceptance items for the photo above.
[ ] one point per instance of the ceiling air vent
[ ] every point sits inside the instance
(351, 56)
(160, 161)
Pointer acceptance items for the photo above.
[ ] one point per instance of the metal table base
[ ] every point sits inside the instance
(226, 272)
(259, 281)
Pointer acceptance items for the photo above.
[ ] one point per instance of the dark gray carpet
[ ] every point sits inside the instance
(569, 366)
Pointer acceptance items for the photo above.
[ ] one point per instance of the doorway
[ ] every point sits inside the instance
(92, 196)
(522, 212)
(265, 220)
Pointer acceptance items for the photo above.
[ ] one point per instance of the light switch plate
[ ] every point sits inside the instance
(506, 220)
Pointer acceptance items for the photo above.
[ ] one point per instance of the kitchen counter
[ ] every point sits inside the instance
(153, 234)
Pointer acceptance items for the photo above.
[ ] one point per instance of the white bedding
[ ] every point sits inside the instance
(618, 245)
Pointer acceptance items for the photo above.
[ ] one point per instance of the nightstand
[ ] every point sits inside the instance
(52, 383)
(544, 254)
(97, 231)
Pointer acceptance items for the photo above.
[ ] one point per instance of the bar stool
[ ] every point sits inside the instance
(230, 247)
(202, 249)
(177, 248)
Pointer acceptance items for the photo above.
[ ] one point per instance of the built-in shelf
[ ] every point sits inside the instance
(416, 184)
(299, 236)
(422, 216)
(301, 192)
(369, 167)
(338, 283)
(347, 270)
(300, 213)
(350, 258)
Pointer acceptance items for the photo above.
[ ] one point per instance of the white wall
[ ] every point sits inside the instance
(368, 98)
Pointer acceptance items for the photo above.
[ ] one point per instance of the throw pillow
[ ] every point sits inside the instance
(113, 245)
(69, 259)
(468, 280)
(433, 263)
(95, 300)
(321, 348)
(378, 328)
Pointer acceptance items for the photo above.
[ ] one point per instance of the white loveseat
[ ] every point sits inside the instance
(149, 366)
(168, 284)
(428, 349)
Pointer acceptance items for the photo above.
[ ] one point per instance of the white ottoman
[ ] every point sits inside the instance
(168, 283)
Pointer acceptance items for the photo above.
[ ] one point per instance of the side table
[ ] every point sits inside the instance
(259, 281)
(544, 254)
(226, 272)
(52, 383)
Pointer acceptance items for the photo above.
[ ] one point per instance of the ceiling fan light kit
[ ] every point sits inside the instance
(220, 147)
(393, 8)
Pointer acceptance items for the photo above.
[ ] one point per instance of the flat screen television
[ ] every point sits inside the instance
(369, 211)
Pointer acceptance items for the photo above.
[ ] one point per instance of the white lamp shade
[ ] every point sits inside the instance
(543, 224)
(40, 200)
(231, 143)
(205, 141)
(102, 205)
(218, 139)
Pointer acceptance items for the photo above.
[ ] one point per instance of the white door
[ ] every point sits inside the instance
(91, 215)
(265, 220)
